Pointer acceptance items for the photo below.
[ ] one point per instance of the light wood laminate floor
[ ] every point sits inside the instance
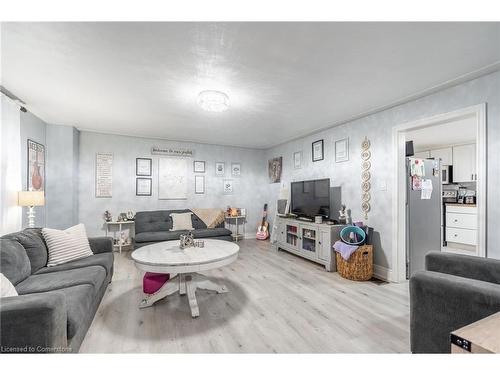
(277, 303)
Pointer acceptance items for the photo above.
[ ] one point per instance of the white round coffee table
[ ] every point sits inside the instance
(168, 257)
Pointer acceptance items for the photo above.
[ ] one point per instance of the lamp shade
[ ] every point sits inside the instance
(31, 198)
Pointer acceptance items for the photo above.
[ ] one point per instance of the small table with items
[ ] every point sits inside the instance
(185, 264)
(118, 226)
(233, 221)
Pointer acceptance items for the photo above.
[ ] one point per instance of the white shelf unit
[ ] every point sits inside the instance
(308, 240)
(236, 221)
(120, 225)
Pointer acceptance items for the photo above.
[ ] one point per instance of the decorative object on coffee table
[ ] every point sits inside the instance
(167, 257)
(365, 177)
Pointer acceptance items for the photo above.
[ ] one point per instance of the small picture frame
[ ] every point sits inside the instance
(243, 212)
(143, 186)
(228, 186)
(318, 151)
(220, 169)
(342, 150)
(297, 160)
(199, 184)
(198, 166)
(236, 169)
(143, 166)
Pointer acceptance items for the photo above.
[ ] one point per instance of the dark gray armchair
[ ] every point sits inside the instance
(453, 291)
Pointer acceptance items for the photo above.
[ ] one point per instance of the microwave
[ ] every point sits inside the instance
(446, 174)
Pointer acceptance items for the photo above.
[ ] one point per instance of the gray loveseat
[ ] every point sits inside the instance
(155, 226)
(56, 305)
(453, 291)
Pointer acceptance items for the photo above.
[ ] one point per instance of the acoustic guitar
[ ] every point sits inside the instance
(263, 229)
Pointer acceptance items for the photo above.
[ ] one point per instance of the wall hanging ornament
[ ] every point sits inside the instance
(365, 177)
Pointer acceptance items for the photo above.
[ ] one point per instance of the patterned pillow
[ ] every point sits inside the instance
(66, 245)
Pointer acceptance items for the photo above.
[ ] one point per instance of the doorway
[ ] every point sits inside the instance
(441, 146)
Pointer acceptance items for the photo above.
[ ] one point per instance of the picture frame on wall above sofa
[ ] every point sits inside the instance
(143, 186)
(143, 166)
(236, 169)
(198, 166)
(220, 169)
(297, 160)
(199, 184)
(36, 166)
(228, 186)
(342, 150)
(318, 150)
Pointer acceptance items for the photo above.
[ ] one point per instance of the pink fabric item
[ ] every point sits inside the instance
(152, 282)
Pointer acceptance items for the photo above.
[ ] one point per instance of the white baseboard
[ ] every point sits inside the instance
(382, 273)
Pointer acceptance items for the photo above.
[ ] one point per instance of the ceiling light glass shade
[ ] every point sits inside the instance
(213, 101)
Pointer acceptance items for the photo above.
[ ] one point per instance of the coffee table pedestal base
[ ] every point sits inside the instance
(186, 284)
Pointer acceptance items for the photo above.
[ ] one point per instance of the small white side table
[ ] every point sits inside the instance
(237, 235)
(120, 225)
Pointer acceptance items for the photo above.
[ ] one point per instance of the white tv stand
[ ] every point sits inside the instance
(308, 240)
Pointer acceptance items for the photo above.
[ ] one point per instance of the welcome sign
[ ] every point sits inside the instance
(170, 151)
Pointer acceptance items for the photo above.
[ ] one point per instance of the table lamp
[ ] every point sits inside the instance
(31, 199)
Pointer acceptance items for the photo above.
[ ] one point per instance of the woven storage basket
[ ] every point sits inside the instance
(359, 267)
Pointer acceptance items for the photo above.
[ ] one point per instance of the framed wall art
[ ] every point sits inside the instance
(104, 175)
(228, 186)
(318, 150)
(172, 178)
(236, 169)
(199, 184)
(36, 166)
(297, 160)
(198, 166)
(143, 186)
(342, 150)
(275, 166)
(220, 169)
(143, 166)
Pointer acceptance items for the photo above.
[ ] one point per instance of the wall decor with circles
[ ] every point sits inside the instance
(365, 177)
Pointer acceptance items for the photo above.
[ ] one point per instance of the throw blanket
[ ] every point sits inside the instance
(344, 249)
(210, 216)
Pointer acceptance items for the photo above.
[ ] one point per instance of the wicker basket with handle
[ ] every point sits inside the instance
(359, 267)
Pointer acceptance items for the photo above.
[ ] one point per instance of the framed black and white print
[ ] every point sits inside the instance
(342, 150)
(228, 186)
(143, 186)
(143, 166)
(317, 151)
(220, 169)
(236, 169)
(297, 160)
(199, 184)
(36, 166)
(198, 166)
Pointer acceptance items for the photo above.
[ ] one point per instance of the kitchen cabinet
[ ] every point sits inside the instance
(445, 154)
(464, 163)
(461, 227)
(422, 155)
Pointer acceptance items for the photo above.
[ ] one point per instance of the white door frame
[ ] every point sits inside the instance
(399, 181)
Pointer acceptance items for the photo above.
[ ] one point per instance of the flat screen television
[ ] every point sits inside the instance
(311, 198)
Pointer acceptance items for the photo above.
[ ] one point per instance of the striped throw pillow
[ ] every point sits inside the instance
(66, 245)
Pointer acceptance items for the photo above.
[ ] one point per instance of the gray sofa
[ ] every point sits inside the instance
(453, 291)
(155, 226)
(56, 305)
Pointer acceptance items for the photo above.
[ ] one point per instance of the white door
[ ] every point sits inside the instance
(464, 163)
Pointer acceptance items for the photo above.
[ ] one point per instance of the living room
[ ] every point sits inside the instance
(211, 187)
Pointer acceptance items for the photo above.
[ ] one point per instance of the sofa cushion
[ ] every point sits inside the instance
(79, 302)
(181, 221)
(66, 245)
(104, 260)
(14, 262)
(208, 233)
(33, 243)
(39, 283)
(158, 236)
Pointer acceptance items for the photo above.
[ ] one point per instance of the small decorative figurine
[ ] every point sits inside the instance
(107, 216)
(186, 240)
(342, 215)
(130, 215)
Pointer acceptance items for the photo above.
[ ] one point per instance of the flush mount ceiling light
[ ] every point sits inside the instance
(213, 101)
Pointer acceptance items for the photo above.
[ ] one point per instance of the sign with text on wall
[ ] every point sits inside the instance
(172, 151)
(104, 175)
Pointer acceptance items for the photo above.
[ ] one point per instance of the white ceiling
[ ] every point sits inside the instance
(284, 80)
(451, 133)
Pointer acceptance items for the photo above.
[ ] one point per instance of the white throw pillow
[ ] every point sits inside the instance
(66, 245)
(7, 289)
(181, 221)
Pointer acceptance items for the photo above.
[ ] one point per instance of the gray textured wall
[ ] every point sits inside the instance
(35, 129)
(250, 190)
(378, 128)
(62, 175)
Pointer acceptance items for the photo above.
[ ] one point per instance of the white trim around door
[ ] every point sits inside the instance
(398, 273)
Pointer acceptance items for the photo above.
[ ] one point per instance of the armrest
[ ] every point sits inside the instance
(101, 244)
(33, 323)
(471, 267)
(441, 303)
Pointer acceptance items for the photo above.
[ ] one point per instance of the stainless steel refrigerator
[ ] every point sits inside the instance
(423, 217)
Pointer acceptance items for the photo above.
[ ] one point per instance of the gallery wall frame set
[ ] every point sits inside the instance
(198, 166)
(199, 184)
(143, 186)
(318, 150)
(342, 150)
(143, 166)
